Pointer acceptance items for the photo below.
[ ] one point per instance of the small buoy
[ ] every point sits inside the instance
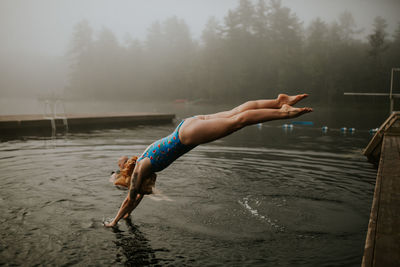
(259, 125)
(343, 129)
(373, 131)
(287, 127)
(352, 130)
(324, 128)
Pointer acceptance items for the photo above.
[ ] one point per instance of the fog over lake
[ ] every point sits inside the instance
(38, 36)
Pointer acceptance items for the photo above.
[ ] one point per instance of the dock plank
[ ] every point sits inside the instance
(387, 243)
(382, 247)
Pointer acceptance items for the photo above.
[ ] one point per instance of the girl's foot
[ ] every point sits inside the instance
(291, 112)
(290, 100)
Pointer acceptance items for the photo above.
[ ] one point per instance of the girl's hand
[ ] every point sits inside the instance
(109, 225)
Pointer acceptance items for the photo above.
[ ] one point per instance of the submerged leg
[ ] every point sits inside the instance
(196, 131)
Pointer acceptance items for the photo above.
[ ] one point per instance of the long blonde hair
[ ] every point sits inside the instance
(124, 177)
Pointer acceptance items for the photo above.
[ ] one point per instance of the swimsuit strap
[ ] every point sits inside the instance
(176, 132)
(179, 126)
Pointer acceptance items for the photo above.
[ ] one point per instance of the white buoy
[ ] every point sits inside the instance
(373, 131)
(324, 128)
(352, 130)
(343, 129)
(287, 127)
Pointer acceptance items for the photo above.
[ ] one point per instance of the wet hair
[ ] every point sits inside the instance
(129, 166)
(124, 177)
(122, 160)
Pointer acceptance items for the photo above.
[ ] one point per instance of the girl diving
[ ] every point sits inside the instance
(195, 131)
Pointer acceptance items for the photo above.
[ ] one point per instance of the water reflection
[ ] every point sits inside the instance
(253, 198)
(134, 247)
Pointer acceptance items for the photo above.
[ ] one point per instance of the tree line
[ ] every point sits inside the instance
(259, 50)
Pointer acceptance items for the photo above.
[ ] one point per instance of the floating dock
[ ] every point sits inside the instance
(382, 245)
(38, 124)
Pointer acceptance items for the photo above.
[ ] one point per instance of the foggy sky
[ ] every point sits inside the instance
(45, 26)
(35, 34)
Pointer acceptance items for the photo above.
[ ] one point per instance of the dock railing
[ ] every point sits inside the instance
(391, 95)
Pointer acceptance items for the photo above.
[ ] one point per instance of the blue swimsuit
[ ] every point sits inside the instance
(165, 151)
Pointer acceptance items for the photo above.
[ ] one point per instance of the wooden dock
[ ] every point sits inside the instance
(382, 246)
(38, 124)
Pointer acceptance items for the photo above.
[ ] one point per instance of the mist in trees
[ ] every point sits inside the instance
(258, 50)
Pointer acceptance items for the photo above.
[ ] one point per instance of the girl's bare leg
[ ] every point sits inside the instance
(258, 104)
(195, 131)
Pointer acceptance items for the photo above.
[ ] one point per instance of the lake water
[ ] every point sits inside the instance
(263, 196)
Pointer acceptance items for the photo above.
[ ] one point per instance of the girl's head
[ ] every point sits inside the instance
(121, 162)
(124, 178)
(128, 166)
(126, 169)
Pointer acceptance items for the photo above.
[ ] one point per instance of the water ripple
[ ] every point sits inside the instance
(253, 198)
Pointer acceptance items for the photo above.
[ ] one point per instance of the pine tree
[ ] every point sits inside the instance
(80, 53)
(377, 39)
(378, 46)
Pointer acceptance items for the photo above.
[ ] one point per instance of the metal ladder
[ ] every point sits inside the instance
(50, 113)
(63, 115)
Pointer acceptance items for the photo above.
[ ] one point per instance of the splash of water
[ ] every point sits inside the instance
(255, 213)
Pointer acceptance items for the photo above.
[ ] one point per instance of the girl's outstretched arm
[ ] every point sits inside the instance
(139, 198)
(131, 201)
(125, 210)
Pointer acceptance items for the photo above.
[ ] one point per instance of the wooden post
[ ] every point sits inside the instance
(391, 89)
(391, 92)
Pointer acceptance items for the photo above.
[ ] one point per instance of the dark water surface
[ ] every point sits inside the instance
(260, 197)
